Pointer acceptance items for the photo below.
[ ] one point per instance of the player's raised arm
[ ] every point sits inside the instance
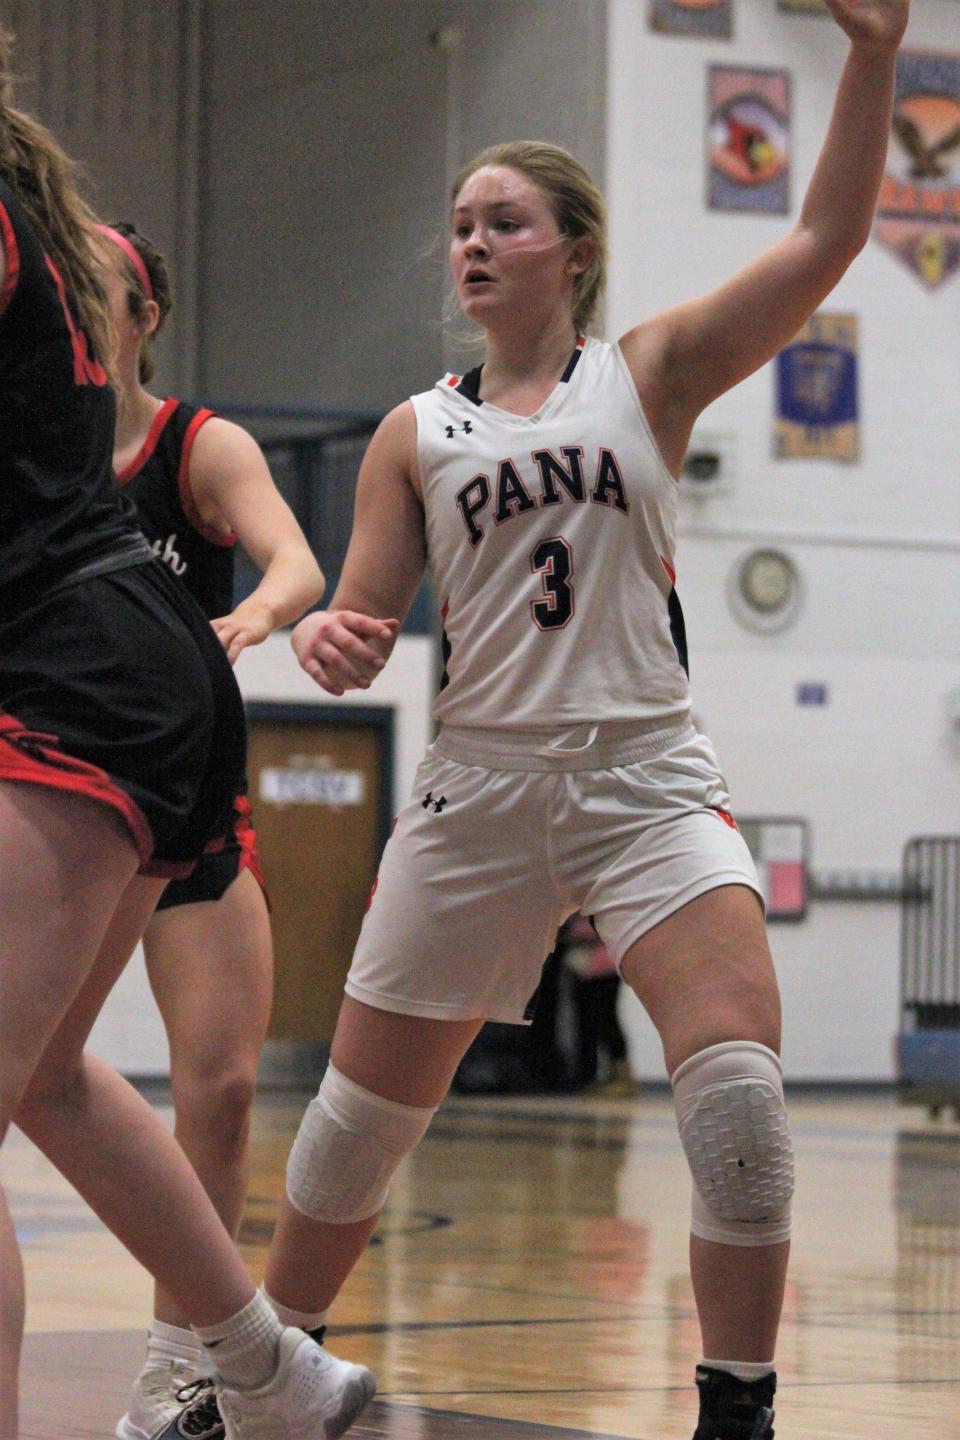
(685, 357)
(345, 647)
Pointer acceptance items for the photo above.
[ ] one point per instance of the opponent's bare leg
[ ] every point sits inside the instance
(105, 1138)
(46, 949)
(404, 1058)
(11, 1322)
(705, 975)
(211, 971)
(108, 1142)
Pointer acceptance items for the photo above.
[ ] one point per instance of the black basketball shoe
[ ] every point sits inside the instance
(732, 1409)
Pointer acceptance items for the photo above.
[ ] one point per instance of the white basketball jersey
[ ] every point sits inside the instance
(550, 541)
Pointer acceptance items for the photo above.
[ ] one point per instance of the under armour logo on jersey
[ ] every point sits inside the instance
(466, 427)
(438, 805)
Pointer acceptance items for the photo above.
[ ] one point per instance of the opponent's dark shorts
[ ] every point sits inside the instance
(217, 868)
(118, 689)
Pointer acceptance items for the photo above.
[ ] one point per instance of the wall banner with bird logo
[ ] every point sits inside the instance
(692, 17)
(918, 213)
(748, 141)
(817, 391)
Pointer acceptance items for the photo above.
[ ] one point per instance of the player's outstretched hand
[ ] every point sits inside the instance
(249, 624)
(878, 24)
(337, 648)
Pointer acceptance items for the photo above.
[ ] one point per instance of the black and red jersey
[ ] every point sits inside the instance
(157, 480)
(60, 515)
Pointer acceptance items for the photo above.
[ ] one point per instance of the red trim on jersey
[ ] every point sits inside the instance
(87, 369)
(216, 537)
(376, 878)
(11, 252)
(725, 816)
(36, 758)
(157, 426)
(247, 838)
(669, 569)
(454, 381)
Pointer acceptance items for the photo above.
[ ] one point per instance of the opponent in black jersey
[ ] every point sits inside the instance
(121, 749)
(59, 516)
(158, 481)
(198, 484)
(515, 822)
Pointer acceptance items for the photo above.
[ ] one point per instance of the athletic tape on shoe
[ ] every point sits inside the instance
(733, 1126)
(347, 1149)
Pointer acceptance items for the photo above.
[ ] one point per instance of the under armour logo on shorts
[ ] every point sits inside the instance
(438, 805)
(466, 427)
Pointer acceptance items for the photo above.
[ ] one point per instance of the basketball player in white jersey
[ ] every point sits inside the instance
(566, 774)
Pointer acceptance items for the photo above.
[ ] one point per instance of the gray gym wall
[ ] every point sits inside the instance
(118, 83)
(292, 157)
(329, 132)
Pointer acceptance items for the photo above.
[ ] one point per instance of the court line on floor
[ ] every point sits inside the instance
(443, 1128)
(798, 1322)
(634, 1119)
(950, 1381)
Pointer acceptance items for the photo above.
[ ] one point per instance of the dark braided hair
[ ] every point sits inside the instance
(136, 298)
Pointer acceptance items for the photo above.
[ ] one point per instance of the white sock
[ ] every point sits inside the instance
(244, 1347)
(745, 1370)
(303, 1319)
(204, 1367)
(168, 1343)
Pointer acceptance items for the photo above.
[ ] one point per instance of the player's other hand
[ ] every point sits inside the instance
(342, 649)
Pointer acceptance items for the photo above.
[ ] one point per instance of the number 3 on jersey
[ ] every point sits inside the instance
(553, 561)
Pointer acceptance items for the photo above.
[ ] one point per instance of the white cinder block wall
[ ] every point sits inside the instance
(877, 543)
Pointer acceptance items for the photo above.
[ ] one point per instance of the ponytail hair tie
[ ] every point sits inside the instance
(132, 254)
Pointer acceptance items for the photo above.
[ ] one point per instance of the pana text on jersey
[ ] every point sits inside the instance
(557, 481)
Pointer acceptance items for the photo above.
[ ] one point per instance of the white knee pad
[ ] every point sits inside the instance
(733, 1125)
(348, 1146)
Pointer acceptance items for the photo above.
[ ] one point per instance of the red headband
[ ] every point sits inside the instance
(132, 254)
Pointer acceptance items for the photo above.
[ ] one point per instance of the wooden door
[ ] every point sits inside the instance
(319, 786)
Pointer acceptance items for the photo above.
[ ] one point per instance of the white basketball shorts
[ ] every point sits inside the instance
(506, 834)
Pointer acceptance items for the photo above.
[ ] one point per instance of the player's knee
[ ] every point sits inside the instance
(347, 1149)
(733, 1126)
(218, 1112)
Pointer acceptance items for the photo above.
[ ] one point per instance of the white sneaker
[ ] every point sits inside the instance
(312, 1396)
(153, 1400)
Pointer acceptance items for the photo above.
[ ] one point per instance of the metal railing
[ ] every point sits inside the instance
(930, 933)
(314, 457)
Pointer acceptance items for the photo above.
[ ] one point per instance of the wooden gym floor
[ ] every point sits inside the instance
(530, 1281)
